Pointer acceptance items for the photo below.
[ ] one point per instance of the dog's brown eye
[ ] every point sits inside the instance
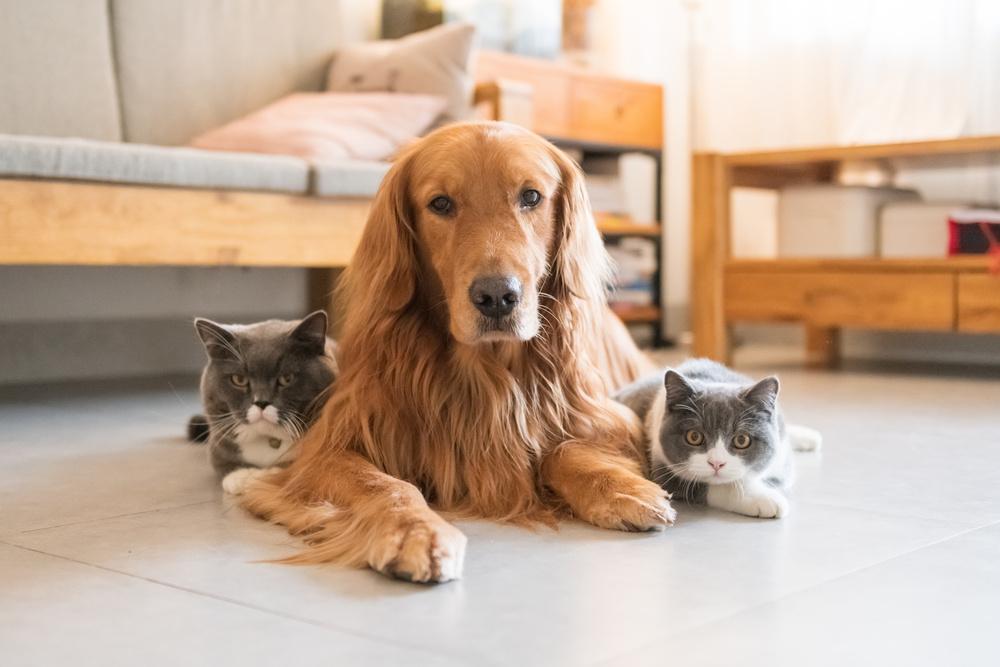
(239, 380)
(440, 205)
(741, 441)
(531, 198)
(694, 438)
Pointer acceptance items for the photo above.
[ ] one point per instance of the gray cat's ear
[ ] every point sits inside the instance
(764, 394)
(678, 389)
(219, 342)
(310, 333)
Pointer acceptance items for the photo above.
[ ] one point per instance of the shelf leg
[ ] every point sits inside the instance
(822, 346)
(711, 180)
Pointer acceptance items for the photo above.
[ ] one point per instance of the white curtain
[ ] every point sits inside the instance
(780, 73)
(785, 73)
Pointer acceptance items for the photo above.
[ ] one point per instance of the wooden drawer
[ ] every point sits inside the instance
(867, 300)
(978, 303)
(616, 112)
(550, 87)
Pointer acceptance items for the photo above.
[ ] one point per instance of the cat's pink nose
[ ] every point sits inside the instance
(716, 465)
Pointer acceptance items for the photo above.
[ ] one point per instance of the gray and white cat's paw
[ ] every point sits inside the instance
(237, 481)
(756, 500)
(768, 504)
(803, 438)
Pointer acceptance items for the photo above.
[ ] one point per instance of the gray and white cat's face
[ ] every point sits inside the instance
(715, 433)
(265, 376)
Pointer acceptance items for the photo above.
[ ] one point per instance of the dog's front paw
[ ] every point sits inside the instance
(638, 506)
(421, 550)
(766, 505)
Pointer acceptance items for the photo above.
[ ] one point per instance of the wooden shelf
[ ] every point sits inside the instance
(818, 154)
(636, 314)
(825, 295)
(610, 224)
(966, 264)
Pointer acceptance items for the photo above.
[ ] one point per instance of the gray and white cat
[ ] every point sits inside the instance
(260, 389)
(718, 437)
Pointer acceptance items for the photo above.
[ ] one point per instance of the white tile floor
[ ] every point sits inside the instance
(116, 547)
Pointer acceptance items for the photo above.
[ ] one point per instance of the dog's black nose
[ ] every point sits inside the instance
(495, 296)
(262, 404)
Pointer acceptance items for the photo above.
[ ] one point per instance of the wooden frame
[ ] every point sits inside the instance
(953, 294)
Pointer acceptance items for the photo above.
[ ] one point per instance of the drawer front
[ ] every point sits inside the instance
(550, 88)
(979, 303)
(866, 300)
(616, 112)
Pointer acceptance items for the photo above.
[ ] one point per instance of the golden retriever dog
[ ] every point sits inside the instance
(477, 356)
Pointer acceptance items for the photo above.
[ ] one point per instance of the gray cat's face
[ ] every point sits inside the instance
(267, 376)
(716, 434)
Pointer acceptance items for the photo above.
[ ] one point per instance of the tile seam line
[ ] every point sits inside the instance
(246, 605)
(897, 515)
(126, 515)
(796, 592)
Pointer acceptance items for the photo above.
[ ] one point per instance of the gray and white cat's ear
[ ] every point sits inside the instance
(219, 342)
(310, 333)
(764, 394)
(678, 389)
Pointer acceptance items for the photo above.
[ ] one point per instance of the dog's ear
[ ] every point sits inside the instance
(579, 265)
(387, 250)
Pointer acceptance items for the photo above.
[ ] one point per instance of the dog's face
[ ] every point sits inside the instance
(483, 202)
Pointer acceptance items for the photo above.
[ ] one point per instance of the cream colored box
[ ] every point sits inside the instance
(832, 220)
(915, 229)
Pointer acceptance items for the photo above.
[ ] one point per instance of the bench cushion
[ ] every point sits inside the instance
(348, 178)
(81, 159)
(56, 70)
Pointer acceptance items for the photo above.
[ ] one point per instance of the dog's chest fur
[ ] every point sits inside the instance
(480, 451)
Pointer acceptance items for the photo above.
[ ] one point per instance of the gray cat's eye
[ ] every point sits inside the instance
(285, 380)
(741, 441)
(694, 438)
(240, 381)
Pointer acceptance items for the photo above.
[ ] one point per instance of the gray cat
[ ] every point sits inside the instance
(260, 389)
(718, 437)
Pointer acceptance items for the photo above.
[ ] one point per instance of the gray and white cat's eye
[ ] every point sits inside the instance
(285, 380)
(694, 438)
(742, 441)
(240, 381)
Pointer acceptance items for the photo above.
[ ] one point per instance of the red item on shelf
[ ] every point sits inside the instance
(976, 232)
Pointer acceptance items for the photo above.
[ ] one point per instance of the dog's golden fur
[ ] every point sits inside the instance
(514, 426)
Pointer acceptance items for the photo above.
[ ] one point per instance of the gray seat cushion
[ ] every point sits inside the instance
(57, 76)
(348, 178)
(83, 159)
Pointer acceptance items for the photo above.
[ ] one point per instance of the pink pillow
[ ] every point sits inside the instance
(329, 126)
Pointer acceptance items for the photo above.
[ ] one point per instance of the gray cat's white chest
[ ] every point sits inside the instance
(264, 445)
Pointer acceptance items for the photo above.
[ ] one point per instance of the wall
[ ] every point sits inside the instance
(648, 39)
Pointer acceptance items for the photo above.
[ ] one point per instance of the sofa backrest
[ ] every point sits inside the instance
(155, 71)
(185, 66)
(57, 75)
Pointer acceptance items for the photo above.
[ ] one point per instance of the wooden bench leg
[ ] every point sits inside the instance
(822, 346)
(321, 286)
